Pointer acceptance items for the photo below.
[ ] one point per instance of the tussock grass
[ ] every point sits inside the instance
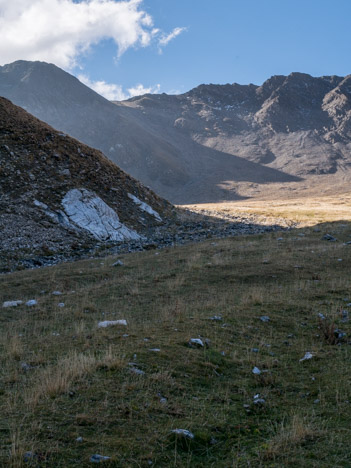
(62, 377)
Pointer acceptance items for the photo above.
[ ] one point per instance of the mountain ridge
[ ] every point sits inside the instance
(202, 145)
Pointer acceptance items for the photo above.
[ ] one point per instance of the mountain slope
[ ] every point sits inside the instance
(58, 195)
(209, 143)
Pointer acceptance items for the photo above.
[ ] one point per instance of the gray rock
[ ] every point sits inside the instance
(329, 238)
(31, 303)
(183, 433)
(264, 318)
(118, 263)
(256, 371)
(12, 303)
(306, 357)
(96, 458)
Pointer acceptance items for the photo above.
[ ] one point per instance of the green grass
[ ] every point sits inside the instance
(81, 383)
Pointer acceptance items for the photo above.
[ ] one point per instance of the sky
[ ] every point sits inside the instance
(127, 48)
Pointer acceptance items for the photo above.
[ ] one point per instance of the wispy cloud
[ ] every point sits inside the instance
(115, 92)
(59, 31)
(166, 38)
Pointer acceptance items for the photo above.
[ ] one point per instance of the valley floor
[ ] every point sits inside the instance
(267, 385)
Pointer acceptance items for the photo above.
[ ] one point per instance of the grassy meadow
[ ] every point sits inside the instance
(69, 390)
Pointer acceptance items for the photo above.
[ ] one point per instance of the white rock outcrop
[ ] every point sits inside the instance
(145, 207)
(88, 211)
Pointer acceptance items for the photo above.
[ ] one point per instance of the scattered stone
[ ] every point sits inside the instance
(216, 318)
(55, 334)
(96, 458)
(110, 323)
(196, 342)
(184, 433)
(57, 293)
(31, 302)
(79, 439)
(155, 350)
(258, 401)
(307, 356)
(163, 400)
(118, 263)
(125, 335)
(321, 316)
(264, 318)
(256, 371)
(316, 401)
(329, 238)
(12, 303)
(61, 304)
(255, 350)
(339, 334)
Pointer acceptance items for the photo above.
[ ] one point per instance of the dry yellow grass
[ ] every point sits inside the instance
(303, 212)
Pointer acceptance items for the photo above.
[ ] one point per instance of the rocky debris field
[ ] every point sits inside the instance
(189, 227)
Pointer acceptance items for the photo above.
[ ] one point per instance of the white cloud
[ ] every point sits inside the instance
(166, 38)
(139, 90)
(114, 92)
(59, 31)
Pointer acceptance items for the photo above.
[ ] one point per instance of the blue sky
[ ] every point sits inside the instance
(230, 41)
(223, 41)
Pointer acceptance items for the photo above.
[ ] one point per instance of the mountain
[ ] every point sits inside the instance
(214, 143)
(58, 195)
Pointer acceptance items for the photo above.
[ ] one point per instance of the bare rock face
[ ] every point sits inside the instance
(86, 210)
(58, 196)
(199, 146)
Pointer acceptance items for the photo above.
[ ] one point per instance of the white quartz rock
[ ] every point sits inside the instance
(110, 323)
(145, 207)
(90, 212)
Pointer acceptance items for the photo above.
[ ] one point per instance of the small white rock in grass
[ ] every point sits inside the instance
(57, 293)
(163, 400)
(256, 371)
(196, 342)
(79, 439)
(96, 458)
(184, 433)
(321, 316)
(307, 356)
(118, 263)
(61, 304)
(12, 303)
(55, 334)
(110, 323)
(155, 350)
(258, 401)
(216, 318)
(264, 318)
(31, 302)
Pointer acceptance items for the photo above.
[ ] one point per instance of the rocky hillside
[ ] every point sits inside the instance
(59, 196)
(202, 145)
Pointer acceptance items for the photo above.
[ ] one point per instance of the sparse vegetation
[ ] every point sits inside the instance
(62, 377)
